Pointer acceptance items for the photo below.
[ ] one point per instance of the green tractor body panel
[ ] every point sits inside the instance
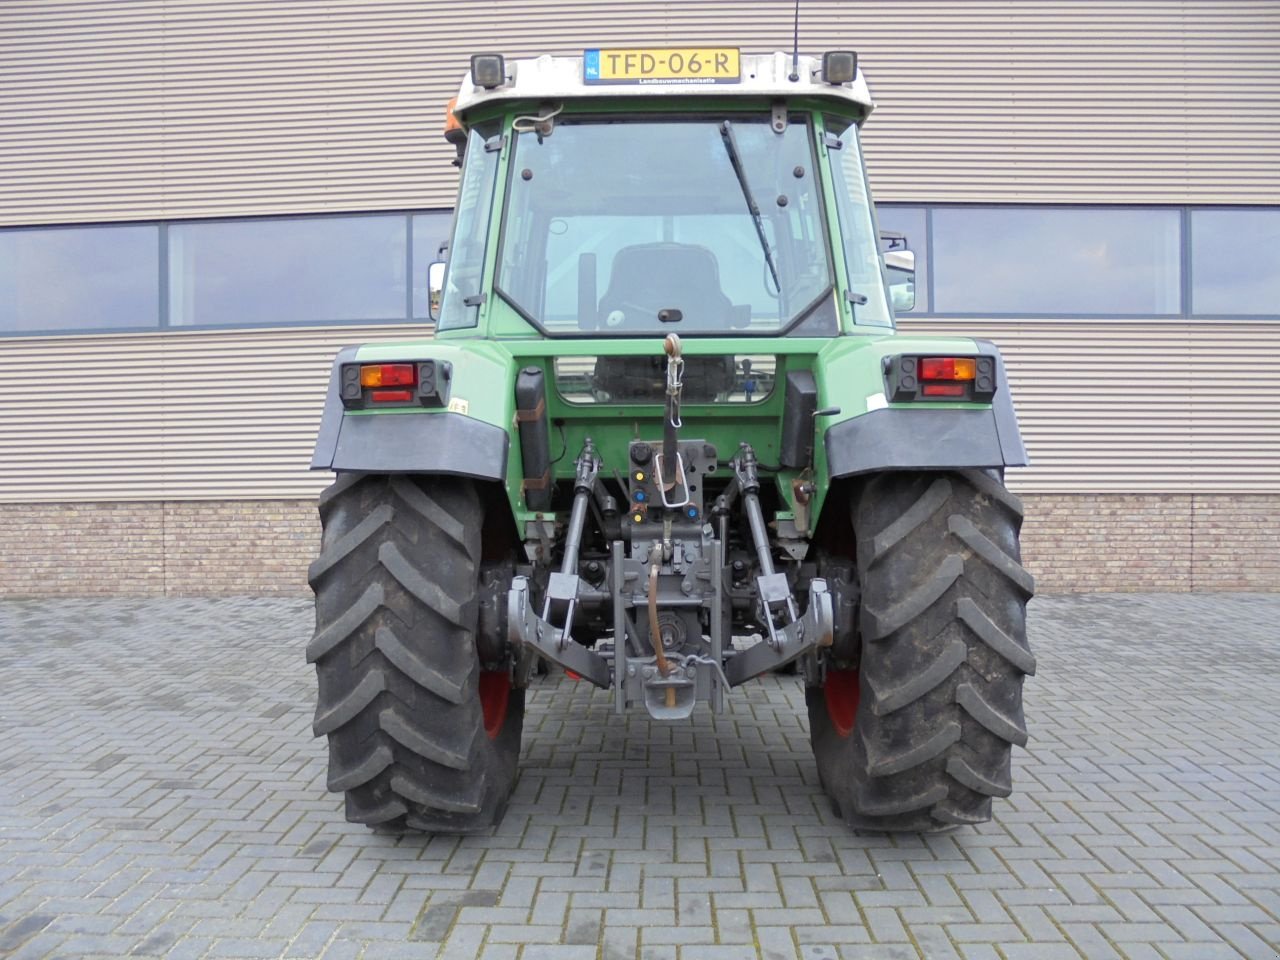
(849, 373)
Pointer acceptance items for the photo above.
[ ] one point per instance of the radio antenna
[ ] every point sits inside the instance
(795, 48)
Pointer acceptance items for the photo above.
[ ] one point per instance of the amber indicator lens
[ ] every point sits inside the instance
(947, 368)
(451, 121)
(389, 375)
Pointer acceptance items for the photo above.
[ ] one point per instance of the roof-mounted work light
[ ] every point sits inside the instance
(839, 66)
(488, 70)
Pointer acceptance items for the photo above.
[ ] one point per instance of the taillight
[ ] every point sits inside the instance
(422, 382)
(391, 396)
(941, 378)
(389, 375)
(948, 368)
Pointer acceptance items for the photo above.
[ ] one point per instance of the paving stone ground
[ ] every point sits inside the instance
(161, 795)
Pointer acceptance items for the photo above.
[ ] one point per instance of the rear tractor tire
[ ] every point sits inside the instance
(420, 736)
(918, 737)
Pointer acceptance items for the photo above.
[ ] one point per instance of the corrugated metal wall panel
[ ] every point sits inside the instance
(1124, 406)
(178, 415)
(1105, 407)
(138, 109)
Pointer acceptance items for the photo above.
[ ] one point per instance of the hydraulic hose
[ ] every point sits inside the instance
(655, 634)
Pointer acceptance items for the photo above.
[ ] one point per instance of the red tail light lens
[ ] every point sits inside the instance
(389, 375)
(391, 396)
(943, 389)
(948, 368)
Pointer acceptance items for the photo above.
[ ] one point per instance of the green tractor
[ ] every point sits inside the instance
(666, 438)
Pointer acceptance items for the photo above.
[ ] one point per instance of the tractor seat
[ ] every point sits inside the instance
(648, 277)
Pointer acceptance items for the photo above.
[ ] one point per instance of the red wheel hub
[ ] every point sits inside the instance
(495, 693)
(841, 690)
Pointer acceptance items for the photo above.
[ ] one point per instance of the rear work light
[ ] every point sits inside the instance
(839, 66)
(488, 70)
(941, 378)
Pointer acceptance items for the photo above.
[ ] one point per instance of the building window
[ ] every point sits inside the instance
(311, 270)
(1104, 262)
(1235, 262)
(79, 278)
(372, 268)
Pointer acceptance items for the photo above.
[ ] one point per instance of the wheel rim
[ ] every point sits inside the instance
(495, 693)
(842, 693)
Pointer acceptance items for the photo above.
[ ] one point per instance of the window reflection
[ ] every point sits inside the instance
(1235, 261)
(79, 278)
(1066, 261)
(314, 270)
(908, 222)
(430, 233)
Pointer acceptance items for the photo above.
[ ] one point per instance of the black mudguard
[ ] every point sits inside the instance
(442, 442)
(920, 437)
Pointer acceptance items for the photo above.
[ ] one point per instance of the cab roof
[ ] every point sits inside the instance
(762, 75)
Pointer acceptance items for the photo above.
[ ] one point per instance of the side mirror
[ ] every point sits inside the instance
(901, 268)
(435, 288)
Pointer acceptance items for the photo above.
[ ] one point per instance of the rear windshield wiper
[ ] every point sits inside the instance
(731, 147)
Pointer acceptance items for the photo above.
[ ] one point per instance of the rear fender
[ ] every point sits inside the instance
(913, 436)
(468, 438)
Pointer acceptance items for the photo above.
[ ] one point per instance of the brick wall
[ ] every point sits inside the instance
(1237, 542)
(81, 549)
(1073, 543)
(1083, 543)
(177, 548)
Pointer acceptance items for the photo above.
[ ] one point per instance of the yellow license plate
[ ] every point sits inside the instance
(661, 65)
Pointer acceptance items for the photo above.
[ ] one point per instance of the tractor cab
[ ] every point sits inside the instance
(639, 193)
